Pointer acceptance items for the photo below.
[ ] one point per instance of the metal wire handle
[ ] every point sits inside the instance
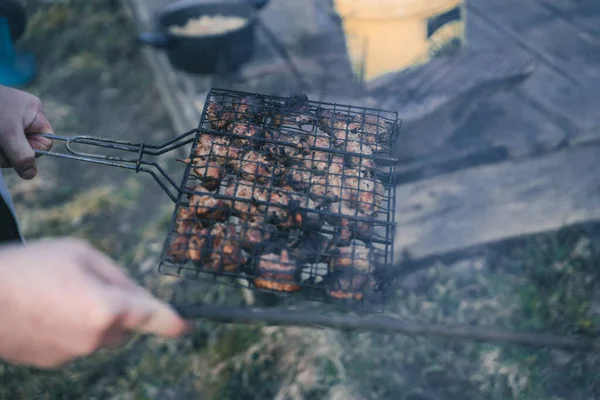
(382, 324)
(137, 164)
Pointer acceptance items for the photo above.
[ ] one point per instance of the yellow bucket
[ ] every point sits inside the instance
(390, 35)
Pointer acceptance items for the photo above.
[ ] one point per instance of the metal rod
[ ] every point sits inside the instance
(381, 324)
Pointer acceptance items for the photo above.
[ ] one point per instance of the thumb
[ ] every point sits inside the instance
(140, 312)
(40, 124)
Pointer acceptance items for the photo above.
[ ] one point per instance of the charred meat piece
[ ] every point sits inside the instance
(178, 249)
(295, 111)
(219, 150)
(243, 190)
(255, 232)
(328, 187)
(296, 179)
(278, 273)
(319, 140)
(248, 109)
(209, 172)
(349, 227)
(327, 119)
(364, 194)
(357, 257)
(308, 217)
(256, 167)
(217, 248)
(312, 248)
(290, 147)
(205, 206)
(186, 222)
(219, 116)
(373, 128)
(347, 285)
(244, 129)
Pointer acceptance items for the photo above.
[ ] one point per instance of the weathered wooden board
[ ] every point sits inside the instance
(584, 15)
(484, 205)
(552, 38)
(565, 102)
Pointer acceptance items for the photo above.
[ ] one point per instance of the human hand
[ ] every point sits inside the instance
(62, 299)
(21, 113)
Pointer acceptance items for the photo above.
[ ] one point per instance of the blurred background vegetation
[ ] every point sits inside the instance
(94, 81)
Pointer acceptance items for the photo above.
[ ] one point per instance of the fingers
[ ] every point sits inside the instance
(140, 312)
(103, 268)
(28, 113)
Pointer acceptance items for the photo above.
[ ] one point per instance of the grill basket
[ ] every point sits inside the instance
(289, 196)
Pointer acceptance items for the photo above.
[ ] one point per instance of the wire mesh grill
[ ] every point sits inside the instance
(289, 196)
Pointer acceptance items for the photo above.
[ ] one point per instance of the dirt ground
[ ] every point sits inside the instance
(94, 81)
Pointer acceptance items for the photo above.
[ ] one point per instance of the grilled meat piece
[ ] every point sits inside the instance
(248, 109)
(219, 116)
(243, 190)
(312, 248)
(206, 207)
(178, 249)
(217, 248)
(349, 286)
(295, 111)
(362, 193)
(373, 128)
(256, 167)
(328, 187)
(244, 129)
(348, 226)
(219, 150)
(290, 148)
(186, 222)
(328, 118)
(357, 257)
(277, 272)
(296, 179)
(255, 232)
(209, 172)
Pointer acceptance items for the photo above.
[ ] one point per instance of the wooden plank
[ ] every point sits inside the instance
(551, 38)
(484, 205)
(583, 15)
(572, 108)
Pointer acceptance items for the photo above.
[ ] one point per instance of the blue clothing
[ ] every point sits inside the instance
(9, 227)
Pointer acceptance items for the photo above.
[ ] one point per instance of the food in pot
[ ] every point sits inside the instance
(208, 25)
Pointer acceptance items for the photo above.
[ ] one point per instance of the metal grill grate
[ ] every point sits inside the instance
(289, 196)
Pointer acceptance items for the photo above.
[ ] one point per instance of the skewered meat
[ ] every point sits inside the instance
(248, 109)
(246, 130)
(277, 272)
(357, 257)
(256, 167)
(209, 172)
(207, 207)
(219, 116)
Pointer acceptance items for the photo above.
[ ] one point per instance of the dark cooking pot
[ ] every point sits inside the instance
(204, 54)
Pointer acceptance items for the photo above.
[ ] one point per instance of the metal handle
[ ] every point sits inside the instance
(136, 164)
(381, 324)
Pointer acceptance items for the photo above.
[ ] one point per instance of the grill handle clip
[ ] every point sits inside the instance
(136, 164)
